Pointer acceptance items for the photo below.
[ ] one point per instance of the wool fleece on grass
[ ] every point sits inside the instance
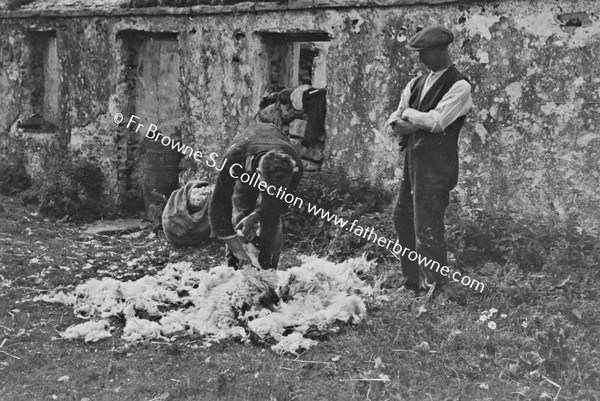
(224, 303)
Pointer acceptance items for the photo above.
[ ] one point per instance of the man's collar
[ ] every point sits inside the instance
(252, 161)
(440, 72)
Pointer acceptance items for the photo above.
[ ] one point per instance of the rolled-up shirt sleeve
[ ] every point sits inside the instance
(405, 97)
(455, 103)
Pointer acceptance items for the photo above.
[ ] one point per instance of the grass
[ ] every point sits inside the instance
(545, 345)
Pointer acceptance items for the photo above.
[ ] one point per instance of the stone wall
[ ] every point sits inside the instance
(530, 142)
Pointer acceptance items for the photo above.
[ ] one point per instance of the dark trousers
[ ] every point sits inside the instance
(270, 235)
(428, 177)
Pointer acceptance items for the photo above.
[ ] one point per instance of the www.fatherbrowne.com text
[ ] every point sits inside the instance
(237, 171)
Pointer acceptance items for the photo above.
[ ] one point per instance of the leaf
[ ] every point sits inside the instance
(562, 282)
(454, 332)
(424, 346)
(163, 397)
(384, 377)
(577, 313)
(533, 358)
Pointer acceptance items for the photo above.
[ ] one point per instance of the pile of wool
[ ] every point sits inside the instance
(225, 303)
(315, 295)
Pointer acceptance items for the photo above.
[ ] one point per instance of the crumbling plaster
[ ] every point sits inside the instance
(531, 140)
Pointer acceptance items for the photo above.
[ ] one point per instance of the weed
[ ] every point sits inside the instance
(507, 236)
(70, 186)
(13, 174)
(347, 198)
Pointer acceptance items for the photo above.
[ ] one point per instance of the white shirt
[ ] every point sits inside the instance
(455, 103)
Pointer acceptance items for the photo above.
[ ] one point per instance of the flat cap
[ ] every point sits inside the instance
(430, 37)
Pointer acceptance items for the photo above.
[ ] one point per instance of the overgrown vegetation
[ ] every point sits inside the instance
(337, 193)
(531, 242)
(14, 178)
(69, 184)
(475, 236)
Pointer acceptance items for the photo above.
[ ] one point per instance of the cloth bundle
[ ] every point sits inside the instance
(181, 226)
(304, 101)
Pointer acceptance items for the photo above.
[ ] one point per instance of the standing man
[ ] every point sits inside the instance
(428, 120)
(264, 153)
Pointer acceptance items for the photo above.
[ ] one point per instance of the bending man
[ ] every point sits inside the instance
(264, 152)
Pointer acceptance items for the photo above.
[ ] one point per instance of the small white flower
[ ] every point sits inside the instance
(492, 311)
(491, 325)
(483, 318)
(503, 316)
(524, 324)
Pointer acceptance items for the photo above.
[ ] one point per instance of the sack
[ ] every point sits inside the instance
(181, 226)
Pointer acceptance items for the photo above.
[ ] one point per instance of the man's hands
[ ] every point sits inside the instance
(404, 127)
(399, 125)
(246, 226)
(236, 247)
(395, 116)
(245, 232)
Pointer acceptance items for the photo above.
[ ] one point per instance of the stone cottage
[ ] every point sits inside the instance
(199, 69)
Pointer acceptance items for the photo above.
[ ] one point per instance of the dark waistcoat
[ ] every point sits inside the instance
(448, 138)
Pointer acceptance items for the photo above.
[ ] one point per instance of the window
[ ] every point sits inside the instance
(294, 94)
(41, 83)
(296, 58)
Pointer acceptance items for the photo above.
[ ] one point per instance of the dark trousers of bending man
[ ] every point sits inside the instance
(428, 120)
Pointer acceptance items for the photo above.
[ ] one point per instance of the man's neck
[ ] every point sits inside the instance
(442, 68)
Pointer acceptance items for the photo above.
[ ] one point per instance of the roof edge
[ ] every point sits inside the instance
(239, 8)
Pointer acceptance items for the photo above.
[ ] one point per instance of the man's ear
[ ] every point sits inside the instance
(296, 168)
